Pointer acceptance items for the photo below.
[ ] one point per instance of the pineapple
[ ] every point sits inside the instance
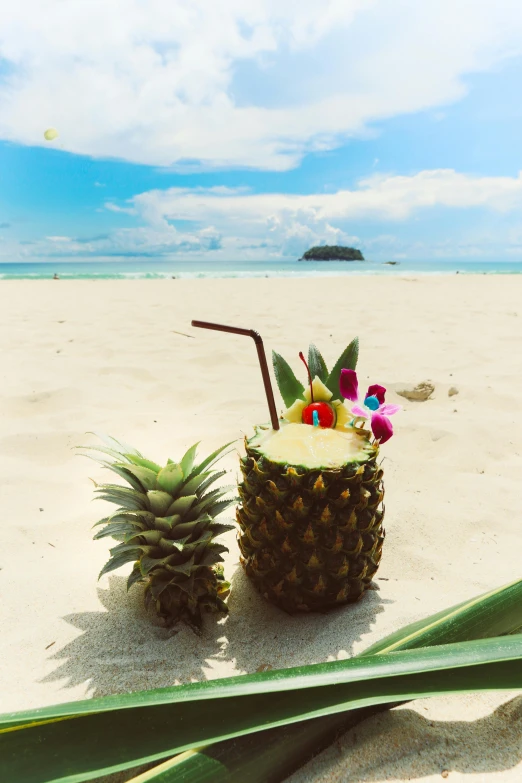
(310, 518)
(165, 523)
(311, 528)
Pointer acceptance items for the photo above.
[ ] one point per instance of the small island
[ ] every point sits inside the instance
(332, 253)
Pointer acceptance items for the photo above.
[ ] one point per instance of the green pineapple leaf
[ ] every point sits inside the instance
(192, 486)
(104, 450)
(181, 505)
(218, 528)
(347, 360)
(119, 445)
(151, 537)
(209, 481)
(121, 558)
(316, 363)
(170, 477)
(187, 461)
(215, 494)
(114, 529)
(209, 502)
(145, 476)
(219, 507)
(123, 473)
(159, 502)
(135, 576)
(213, 556)
(291, 389)
(128, 499)
(133, 517)
(210, 460)
(120, 468)
(183, 530)
(142, 462)
(185, 569)
(148, 563)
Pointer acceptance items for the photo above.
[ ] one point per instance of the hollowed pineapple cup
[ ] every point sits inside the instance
(311, 534)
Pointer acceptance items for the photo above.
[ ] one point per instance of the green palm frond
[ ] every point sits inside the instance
(269, 722)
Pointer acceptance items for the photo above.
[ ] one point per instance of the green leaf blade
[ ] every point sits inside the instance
(187, 461)
(210, 460)
(142, 462)
(117, 445)
(119, 560)
(170, 478)
(290, 388)
(317, 364)
(42, 745)
(347, 360)
(271, 756)
(169, 771)
(176, 719)
(494, 613)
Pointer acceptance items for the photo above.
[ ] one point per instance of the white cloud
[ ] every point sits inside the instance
(115, 208)
(241, 82)
(381, 197)
(232, 223)
(280, 224)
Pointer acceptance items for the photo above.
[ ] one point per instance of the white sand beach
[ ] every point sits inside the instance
(121, 357)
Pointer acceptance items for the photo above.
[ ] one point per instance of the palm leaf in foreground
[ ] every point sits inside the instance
(270, 756)
(50, 744)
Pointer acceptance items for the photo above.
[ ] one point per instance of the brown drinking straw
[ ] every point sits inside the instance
(262, 361)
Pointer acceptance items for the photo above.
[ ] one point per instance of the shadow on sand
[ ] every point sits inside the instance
(261, 635)
(123, 648)
(403, 745)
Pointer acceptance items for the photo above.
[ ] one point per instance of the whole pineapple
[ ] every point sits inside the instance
(166, 524)
(310, 518)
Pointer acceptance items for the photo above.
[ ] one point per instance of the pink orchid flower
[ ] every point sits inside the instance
(373, 407)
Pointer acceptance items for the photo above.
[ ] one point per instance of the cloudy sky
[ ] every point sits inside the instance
(252, 129)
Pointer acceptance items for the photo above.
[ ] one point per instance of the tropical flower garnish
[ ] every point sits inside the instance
(373, 406)
(318, 392)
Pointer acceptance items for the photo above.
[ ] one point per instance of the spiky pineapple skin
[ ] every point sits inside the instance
(310, 539)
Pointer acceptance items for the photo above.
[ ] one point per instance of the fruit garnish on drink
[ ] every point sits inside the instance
(319, 413)
(319, 399)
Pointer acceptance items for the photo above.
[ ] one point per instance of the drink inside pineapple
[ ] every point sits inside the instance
(312, 447)
(310, 516)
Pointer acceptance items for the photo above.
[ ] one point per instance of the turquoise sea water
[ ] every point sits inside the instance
(149, 268)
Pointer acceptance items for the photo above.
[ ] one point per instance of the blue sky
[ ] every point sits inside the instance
(260, 132)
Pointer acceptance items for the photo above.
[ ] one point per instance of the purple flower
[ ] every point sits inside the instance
(373, 407)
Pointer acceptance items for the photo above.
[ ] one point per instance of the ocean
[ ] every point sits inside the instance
(151, 269)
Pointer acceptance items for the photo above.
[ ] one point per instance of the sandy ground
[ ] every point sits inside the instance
(121, 357)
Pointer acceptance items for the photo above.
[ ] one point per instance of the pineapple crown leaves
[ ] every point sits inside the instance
(165, 518)
(292, 389)
(176, 479)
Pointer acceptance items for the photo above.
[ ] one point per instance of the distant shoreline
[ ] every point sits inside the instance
(246, 269)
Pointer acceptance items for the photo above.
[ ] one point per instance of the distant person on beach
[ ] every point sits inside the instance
(55, 276)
